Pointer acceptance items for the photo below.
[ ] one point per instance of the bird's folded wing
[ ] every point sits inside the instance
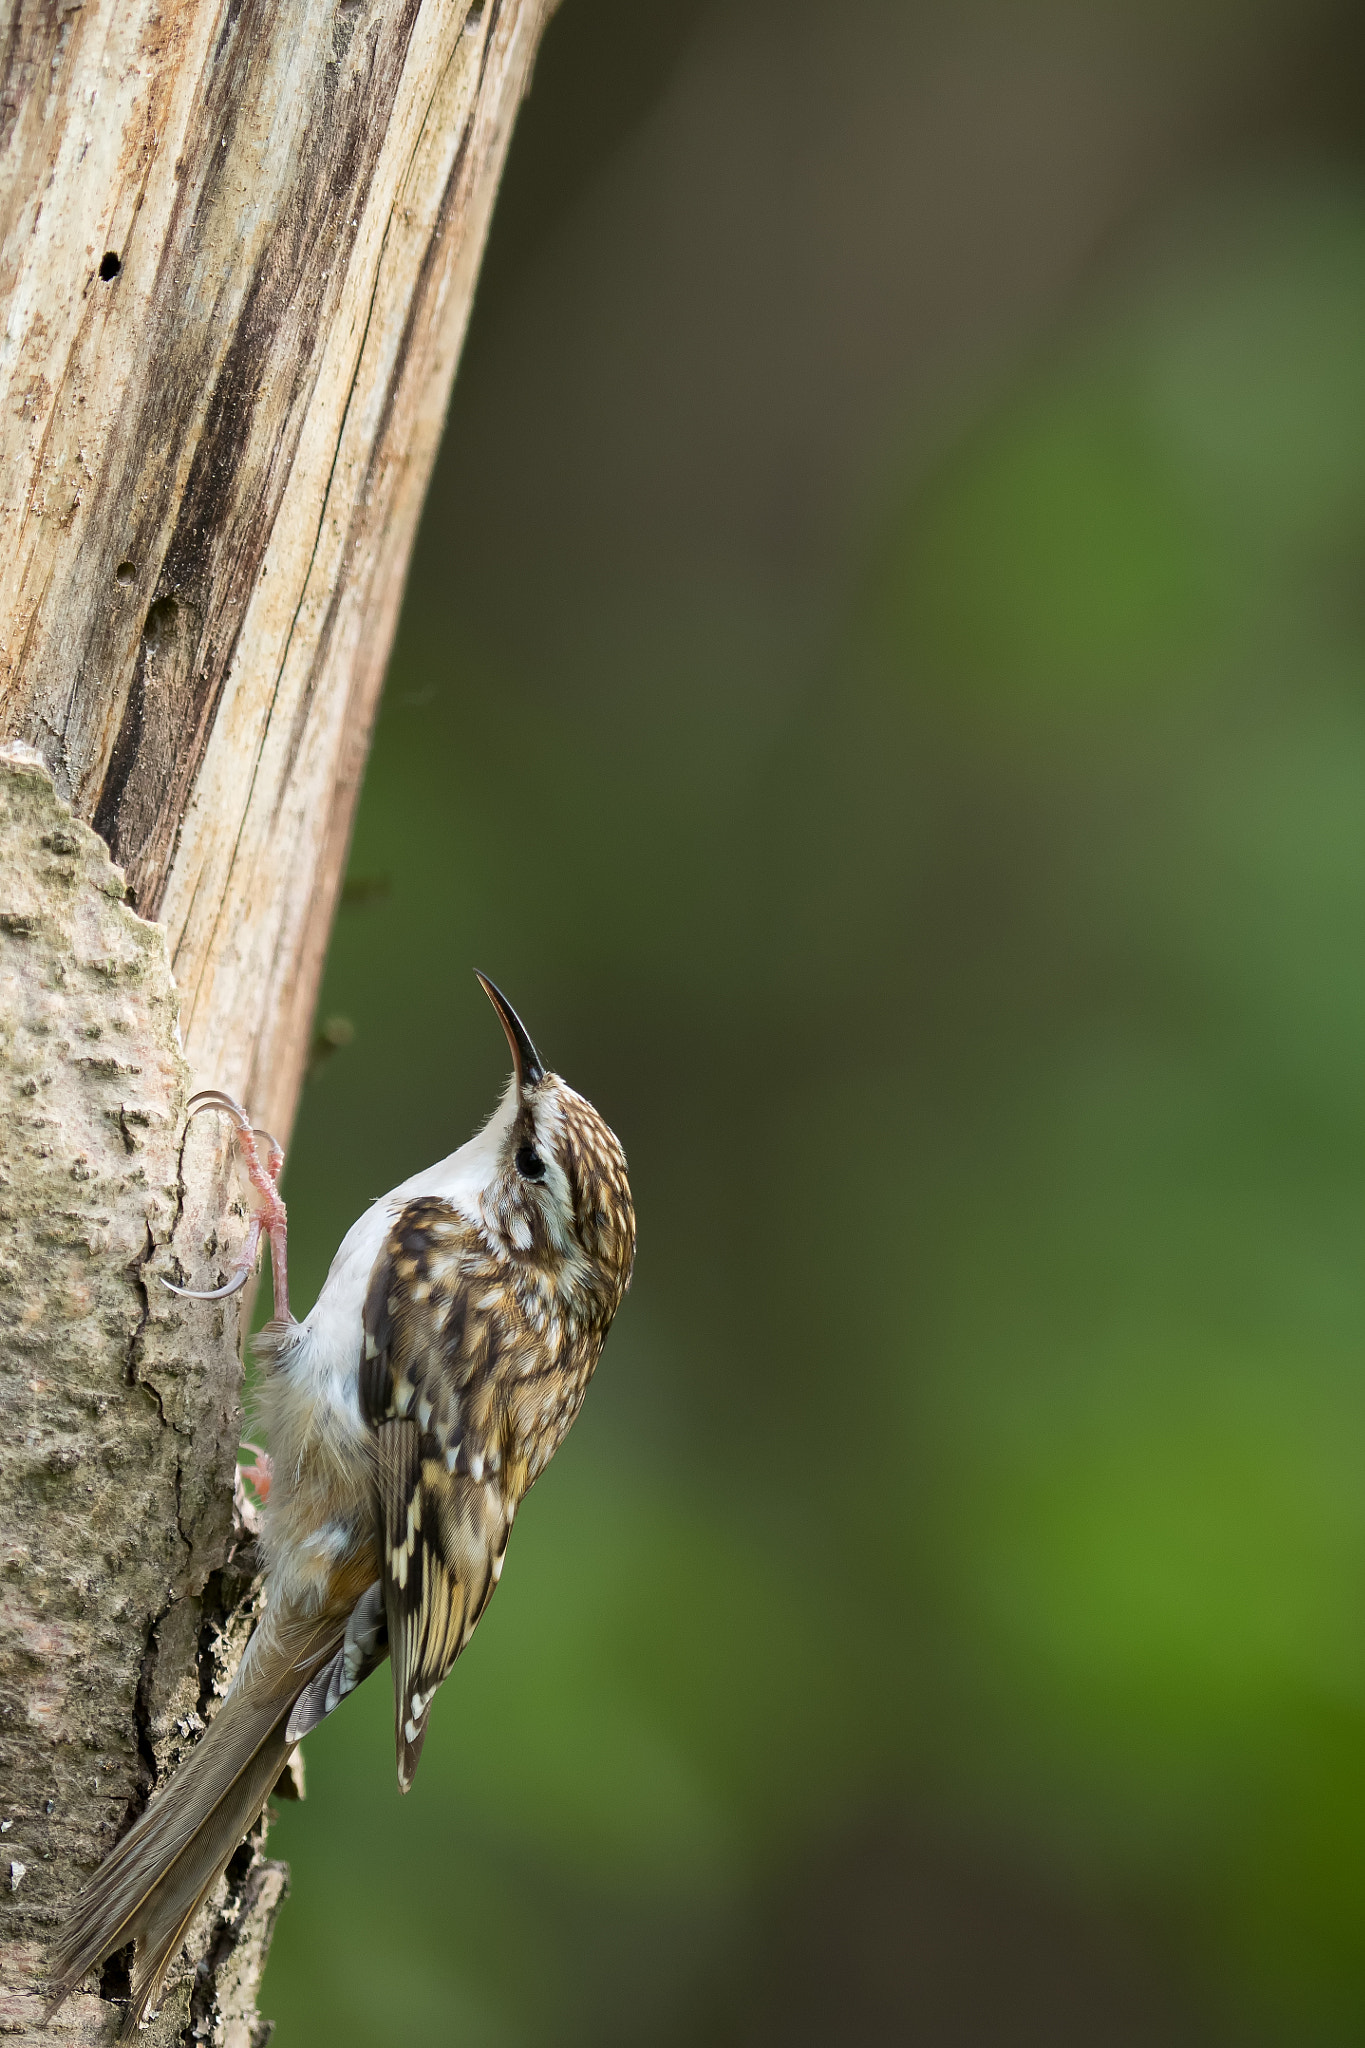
(430, 1389)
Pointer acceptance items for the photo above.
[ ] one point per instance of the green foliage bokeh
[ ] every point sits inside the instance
(978, 987)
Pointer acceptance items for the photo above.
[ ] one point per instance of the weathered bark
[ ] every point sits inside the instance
(238, 242)
(124, 1583)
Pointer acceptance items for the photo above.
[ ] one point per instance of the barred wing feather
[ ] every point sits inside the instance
(431, 1389)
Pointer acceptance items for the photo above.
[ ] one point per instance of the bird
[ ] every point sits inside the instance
(409, 1412)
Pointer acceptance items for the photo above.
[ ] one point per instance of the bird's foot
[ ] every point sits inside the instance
(268, 1217)
(259, 1473)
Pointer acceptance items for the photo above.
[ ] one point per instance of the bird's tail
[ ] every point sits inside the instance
(150, 1887)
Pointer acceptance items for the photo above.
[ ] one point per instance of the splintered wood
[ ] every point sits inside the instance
(238, 244)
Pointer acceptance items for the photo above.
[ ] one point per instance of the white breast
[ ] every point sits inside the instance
(322, 1361)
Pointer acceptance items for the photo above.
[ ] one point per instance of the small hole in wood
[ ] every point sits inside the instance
(125, 573)
(109, 265)
(160, 620)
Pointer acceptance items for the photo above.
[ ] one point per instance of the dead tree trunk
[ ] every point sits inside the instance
(238, 242)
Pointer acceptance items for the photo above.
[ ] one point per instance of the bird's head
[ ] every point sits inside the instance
(558, 1200)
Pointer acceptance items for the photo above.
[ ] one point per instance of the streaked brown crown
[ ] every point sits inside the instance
(604, 1214)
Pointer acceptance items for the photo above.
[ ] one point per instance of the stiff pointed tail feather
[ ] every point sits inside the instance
(153, 1883)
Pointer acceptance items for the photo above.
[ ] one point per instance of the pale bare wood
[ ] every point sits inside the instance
(212, 462)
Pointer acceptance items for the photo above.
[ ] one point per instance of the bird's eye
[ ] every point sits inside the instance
(529, 1163)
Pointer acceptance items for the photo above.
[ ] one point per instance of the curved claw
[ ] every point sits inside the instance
(218, 1098)
(270, 1217)
(239, 1275)
(208, 1293)
(214, 1098)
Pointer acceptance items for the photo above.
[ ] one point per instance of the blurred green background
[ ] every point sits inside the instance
(882, 685)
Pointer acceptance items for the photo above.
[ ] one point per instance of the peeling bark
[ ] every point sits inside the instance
(238, 243)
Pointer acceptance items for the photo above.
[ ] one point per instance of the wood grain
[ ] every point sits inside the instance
(213, 457)
(238, 246)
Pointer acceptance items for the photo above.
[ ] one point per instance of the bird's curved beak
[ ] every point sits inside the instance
(525, 1058)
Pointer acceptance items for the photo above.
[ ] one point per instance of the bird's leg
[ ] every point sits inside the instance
(268, 1216)
(259, 1473)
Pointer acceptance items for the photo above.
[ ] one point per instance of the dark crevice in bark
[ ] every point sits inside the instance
(245, 1876)
(138, 1274)
(115, 1975)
